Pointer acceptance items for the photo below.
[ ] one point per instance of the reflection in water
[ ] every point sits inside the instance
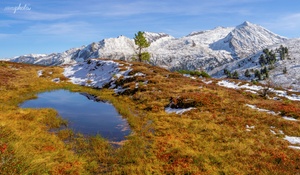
(84, 113)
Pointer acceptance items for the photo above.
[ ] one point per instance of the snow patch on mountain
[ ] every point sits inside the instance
(210, 36)
(157, 38)
(121, 48)
(289, 80)
(247, 39)
(199, 50)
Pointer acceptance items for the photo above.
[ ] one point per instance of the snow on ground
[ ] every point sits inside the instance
(262, 110)
(95, 73)
(233, 85)
(253, 92)
(206, 82)
(119, 90)
(228, 84)
(273, 132)
(139, 74)
(178, 111)
(270, 112)
(295, 141)
(248, 128)
(99, 73)
(254, 89)
(40, 73)
(294, 147)
(292, 97)
(292, 140)
(289, 118)
(189, 76)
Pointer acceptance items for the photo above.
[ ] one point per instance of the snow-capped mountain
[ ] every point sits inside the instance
(199, 50)
(290, 79)
(247, 38)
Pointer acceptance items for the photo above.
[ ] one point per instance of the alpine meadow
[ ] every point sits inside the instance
(216, 101)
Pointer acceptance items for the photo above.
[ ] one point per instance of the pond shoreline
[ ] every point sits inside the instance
(84, 112)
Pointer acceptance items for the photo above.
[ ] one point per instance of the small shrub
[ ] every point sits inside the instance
(195, 73)
(3, 64)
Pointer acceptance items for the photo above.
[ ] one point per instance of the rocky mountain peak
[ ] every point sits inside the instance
(246, 39)
(246, 23)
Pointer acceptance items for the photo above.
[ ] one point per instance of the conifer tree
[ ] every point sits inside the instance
(247, 73)
(142, 43)
(284, 70)
(267, 74)
(257, 74)
(235, 75)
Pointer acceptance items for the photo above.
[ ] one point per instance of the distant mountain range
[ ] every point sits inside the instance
(210, 50)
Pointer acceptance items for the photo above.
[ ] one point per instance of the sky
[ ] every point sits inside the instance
(51, 26)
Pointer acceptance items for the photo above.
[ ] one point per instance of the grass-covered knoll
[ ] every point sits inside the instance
(220, 136)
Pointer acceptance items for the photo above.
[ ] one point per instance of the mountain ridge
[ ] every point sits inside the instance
(205, 50)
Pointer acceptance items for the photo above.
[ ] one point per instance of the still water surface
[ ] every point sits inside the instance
(83, 114)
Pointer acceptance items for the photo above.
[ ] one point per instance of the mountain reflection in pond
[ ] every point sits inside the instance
(83, 113)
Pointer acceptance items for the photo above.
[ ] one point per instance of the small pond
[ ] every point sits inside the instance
(84, 114)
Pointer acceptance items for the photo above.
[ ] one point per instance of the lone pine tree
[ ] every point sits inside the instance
(142, 43)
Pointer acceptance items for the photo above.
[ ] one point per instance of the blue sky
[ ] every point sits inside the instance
(47, 26)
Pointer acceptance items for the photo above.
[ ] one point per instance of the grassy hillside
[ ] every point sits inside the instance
(220, 135)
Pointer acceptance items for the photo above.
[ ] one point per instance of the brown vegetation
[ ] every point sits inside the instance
(212, 139)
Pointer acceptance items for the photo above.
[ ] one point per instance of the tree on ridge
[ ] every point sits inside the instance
(142, 43)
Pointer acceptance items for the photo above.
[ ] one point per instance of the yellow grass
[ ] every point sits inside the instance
(29, 147)
(211, 139)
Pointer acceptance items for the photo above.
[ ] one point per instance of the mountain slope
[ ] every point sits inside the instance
(246, 39)
(290, 79)
(205, 49)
